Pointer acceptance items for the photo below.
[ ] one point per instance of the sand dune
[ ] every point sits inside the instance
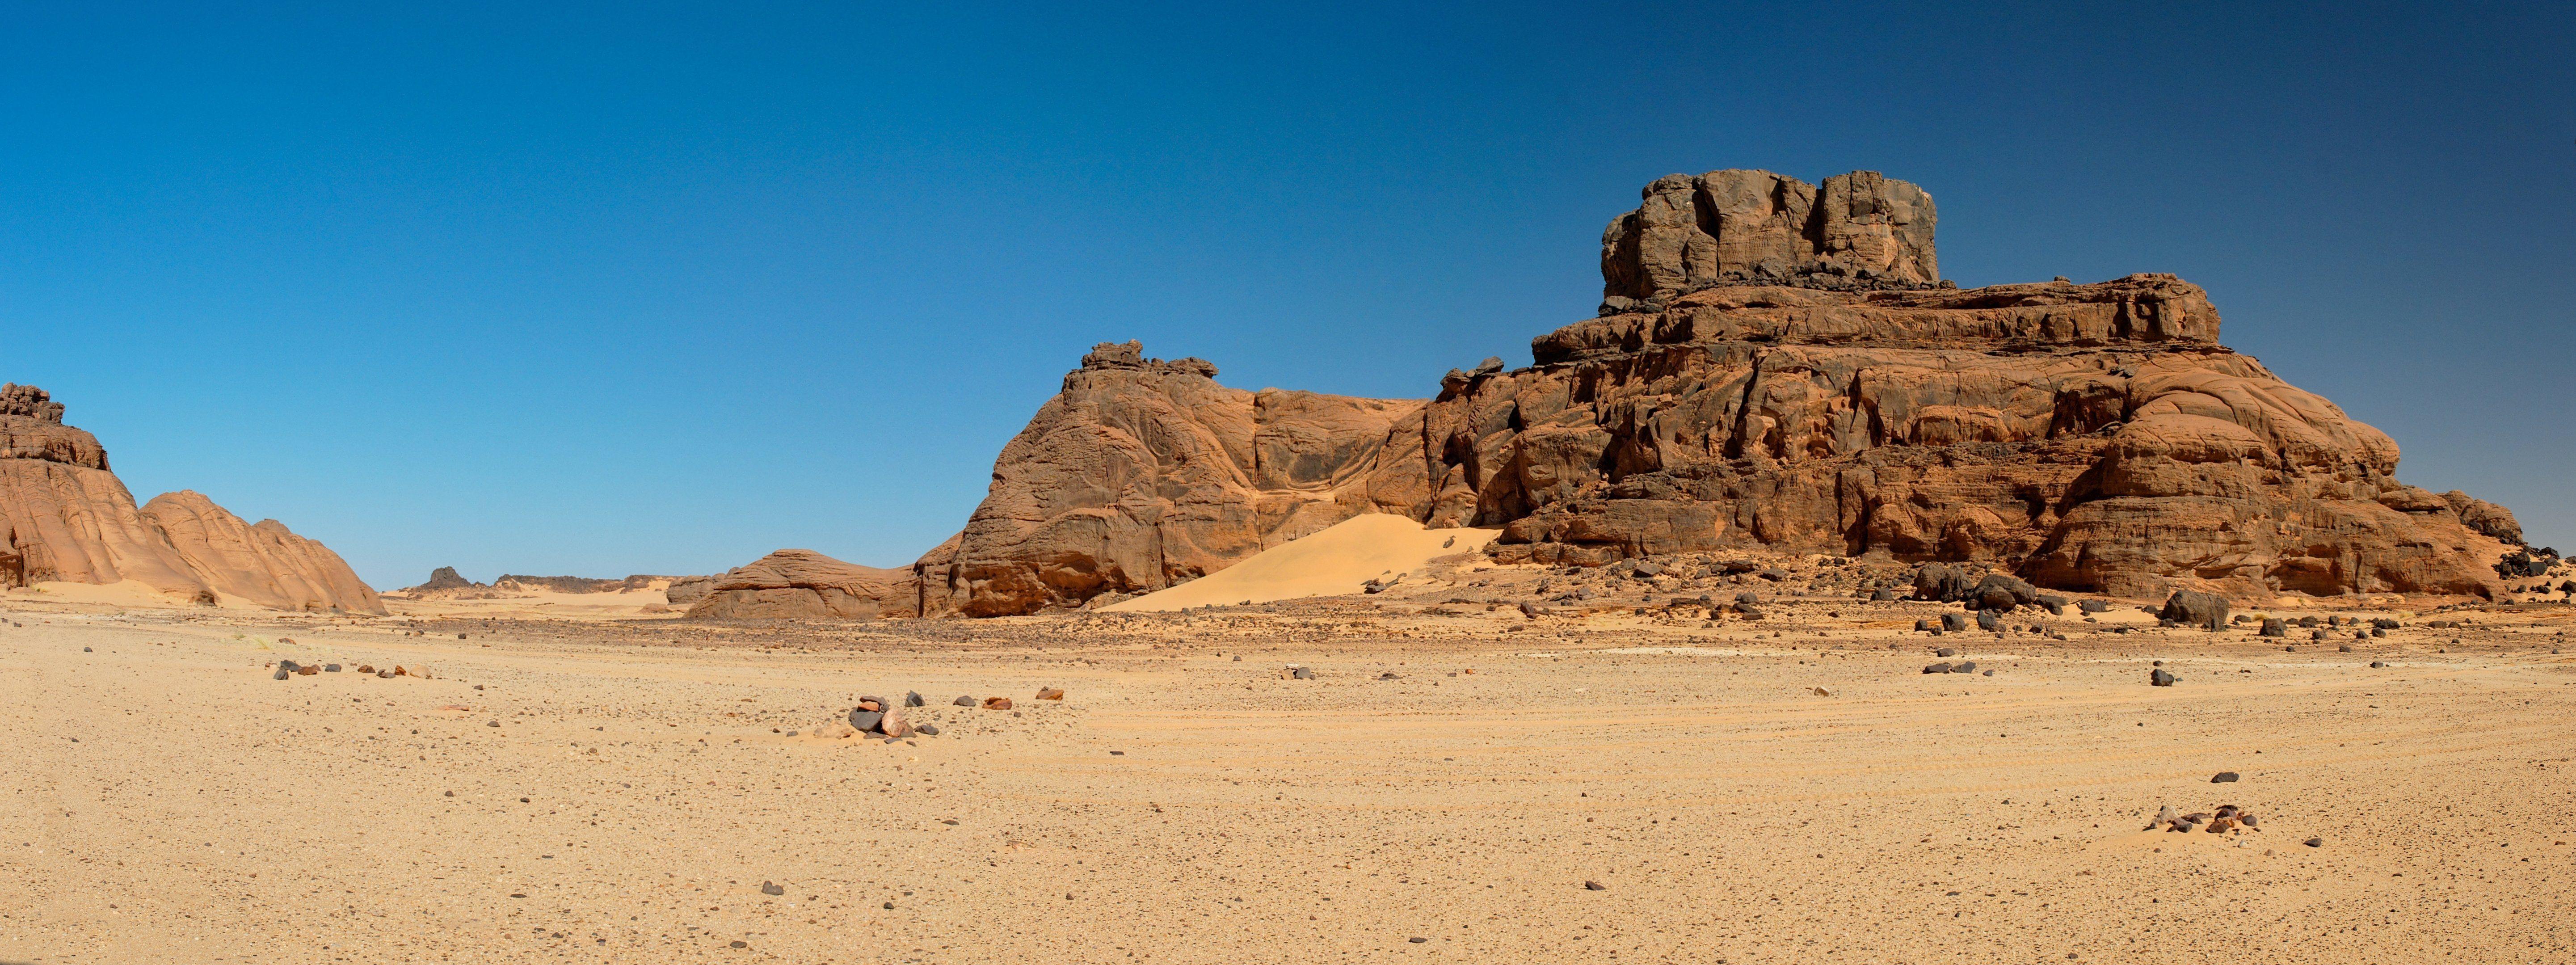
(1329, 563)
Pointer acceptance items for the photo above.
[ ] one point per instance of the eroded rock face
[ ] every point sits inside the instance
(68, 518)
(1775, 365)
(263, 562)
(1861, 231)
(2091, 437)
(1143, 473)
(796, 583)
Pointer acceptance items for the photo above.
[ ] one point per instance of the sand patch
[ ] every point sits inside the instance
(1329, 563)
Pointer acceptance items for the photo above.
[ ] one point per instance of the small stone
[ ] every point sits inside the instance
(744, 944)
(491, 723)
(771, 888)
(928, 730)
(2314, 842)
(1945, 652)
(865, 720)
(1937, 668)
(330, 668)
(1954, 622)
(2223, 777)
(1417, 940)
(282, 672)
(1050, 693)
(2376, 664)
(912, 698)
(1594, 886)
(997, 703)
(85, 650)
(964, 701)
(2344, 648)
(1990, 673)
(1302, 673)
(1964, 666)
(2161, 678)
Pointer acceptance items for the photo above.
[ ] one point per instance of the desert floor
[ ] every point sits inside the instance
(168, 801)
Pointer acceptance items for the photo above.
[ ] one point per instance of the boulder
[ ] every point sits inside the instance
(2194, 608)
(795, 583)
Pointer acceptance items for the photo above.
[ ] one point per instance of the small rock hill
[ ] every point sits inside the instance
(68, 518)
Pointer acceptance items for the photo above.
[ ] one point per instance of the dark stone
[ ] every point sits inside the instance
(1773, 575)
(1964, 666)
(1941, 582)
(970, 701)
(285, 669)
(2343, 648)
(1648, 569)
(2223, 777)
(1302, 673)
(2314, 842)
(330, 668)
(1943, 667)
(2273, 627)
(1945, 652)
(2377, 632)
(2054, 604)
(912, 698)
(1988, 621)
(771, 888)
(1924, 625)
(1748, 598)
(1882, 595)
(1594, 886)
(1747, 612)
(2000, 591)
(2384, 623)
(2194, 608)
(2161, 678)
(1954, 622)
(2376, 664)
(866, 720)
(931, 730)
(2092, 606)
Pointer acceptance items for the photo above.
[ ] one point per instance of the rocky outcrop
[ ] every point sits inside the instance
(1861, 231)
(263, 563)
(2092, 437)
(796, 583)
(67, 518)
(442, 579)
(1144, 473)
(1775, 365)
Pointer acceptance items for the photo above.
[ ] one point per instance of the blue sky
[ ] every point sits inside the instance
(634, 287)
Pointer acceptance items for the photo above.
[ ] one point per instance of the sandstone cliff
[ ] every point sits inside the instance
(804, 583)
(67, 518)
(1143, 473)
(1775, 365)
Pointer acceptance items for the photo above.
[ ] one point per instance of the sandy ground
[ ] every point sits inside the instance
(170, 802)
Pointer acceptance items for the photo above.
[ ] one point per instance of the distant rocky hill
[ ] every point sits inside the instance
(1774, 365)
(444, 581)
(68, 518)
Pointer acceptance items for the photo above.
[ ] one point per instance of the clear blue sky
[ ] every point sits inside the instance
(636, 287)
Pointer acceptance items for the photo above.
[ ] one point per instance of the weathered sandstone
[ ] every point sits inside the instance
(1144, 473)
(803, 583)
(67, 518)
(1777, 366)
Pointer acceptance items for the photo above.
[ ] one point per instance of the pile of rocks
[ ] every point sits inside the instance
(2227, 818)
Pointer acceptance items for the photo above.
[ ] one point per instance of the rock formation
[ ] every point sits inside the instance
(1774, 365)
(263, 563)
(67, 518)
(1143, 473)
(2089, 437)
(804, 583)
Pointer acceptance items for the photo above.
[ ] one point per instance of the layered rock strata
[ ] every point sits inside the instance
(794, 583)
(68, 518)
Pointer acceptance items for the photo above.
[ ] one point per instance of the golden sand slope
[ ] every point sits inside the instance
(1329, 563)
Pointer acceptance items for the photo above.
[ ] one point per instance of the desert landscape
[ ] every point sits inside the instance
(1800, 606)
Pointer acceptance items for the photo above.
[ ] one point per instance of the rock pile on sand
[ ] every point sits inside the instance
(65, 517)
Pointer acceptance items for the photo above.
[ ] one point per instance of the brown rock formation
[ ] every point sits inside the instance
(803, 583)
(1862, 231)
(1143, 473)
(67, 518)
(264, 563)
(2092, 437)
(1775, 365)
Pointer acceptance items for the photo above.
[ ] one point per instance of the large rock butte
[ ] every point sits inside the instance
(68, 518)
(1774, 365)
